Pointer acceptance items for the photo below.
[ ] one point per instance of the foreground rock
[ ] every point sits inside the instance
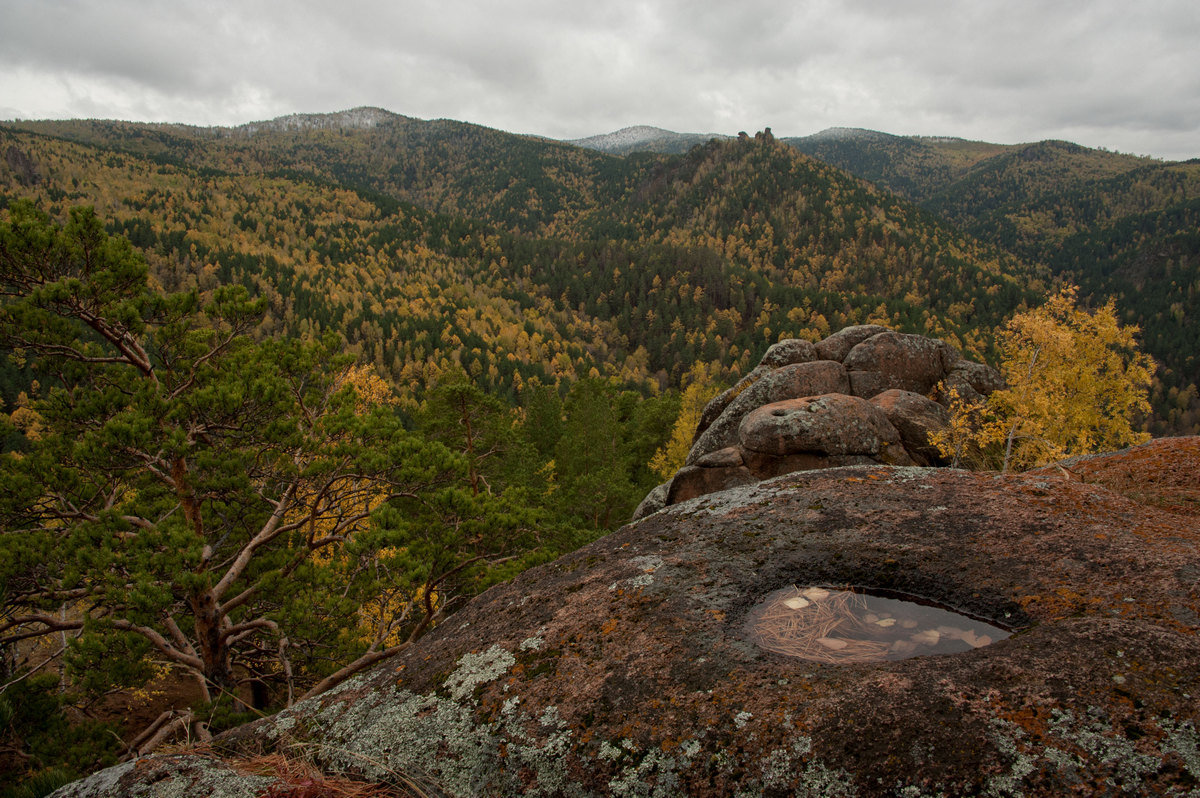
(808, 406)
(626, 669)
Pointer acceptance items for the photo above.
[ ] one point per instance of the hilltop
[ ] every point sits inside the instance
(644, 138)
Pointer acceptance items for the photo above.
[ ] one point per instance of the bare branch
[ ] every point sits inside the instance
(161, 643)
(33, 670)
(236, 632)
(270, 530)
(156, 733)
(365, 661)
(50, 623)
(181, 641)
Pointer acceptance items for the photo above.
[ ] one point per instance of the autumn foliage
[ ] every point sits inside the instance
(1076, 384)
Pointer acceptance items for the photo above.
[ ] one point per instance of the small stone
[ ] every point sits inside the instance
(796, 603)
(981, 641)
(908, 624)
(832, 643)
(885, 622)
(816, 593)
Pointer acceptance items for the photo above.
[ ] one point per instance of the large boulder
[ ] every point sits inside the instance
(916, 418)
(838, 345)
(789, 351)
(898, 360)
(714, 409)
(829, 424)
(629, 667)
(971, 382)
(863, 362)
(720, 470)
(787, 382)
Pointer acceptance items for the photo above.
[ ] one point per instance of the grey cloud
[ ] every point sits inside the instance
(1103, 70)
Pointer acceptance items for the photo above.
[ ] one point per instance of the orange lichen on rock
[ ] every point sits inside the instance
(1161, 473)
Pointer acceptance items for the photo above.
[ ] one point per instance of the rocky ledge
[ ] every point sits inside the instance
(626, 668)
(865, 395)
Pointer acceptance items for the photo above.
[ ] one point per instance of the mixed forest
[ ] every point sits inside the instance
(277, 399)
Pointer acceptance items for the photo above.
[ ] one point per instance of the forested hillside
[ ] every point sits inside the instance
(519, 183)
(1120, 226)
(635, 267)
(910, 166)
(437, 244)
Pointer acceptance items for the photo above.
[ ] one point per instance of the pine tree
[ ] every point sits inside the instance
(225, 505)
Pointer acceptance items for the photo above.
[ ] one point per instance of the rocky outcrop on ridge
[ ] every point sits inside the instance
(863, 396)
(626, 668)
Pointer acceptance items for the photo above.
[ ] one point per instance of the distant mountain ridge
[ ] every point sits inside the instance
(644, 138)
(361, 118)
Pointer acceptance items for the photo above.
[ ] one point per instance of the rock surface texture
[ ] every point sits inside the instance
(863, 395)
(625, 668)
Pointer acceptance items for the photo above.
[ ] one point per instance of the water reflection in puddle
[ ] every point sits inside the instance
(842, 626)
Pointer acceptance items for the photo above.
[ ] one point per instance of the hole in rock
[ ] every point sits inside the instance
(843, 626)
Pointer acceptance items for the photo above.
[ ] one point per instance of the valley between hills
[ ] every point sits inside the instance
(436, 245)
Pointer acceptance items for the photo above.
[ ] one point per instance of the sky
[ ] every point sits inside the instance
(1103, 73)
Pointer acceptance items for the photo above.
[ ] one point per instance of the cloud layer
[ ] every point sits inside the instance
(1102, 73)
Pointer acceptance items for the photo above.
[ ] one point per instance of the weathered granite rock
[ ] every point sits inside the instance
(789, 351)
(972, 381)
(714, 409)
(626, 668)
(766, 466)
(829, 424)
(731, 456)
(654, 501)
(914, 417)
(692, 481)
(186, 774)
(864, 361)
(838, 345)
(719, 470)
(787, 382)
(899, 360)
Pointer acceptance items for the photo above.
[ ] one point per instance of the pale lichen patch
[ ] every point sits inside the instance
(476, 669)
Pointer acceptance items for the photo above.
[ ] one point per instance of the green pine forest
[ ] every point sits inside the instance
(511, 318)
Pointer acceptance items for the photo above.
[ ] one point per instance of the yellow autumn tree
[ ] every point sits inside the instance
(700, 386)
(1076, 382)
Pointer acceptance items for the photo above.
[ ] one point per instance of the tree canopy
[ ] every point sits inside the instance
(1076, 384)
(248, 513)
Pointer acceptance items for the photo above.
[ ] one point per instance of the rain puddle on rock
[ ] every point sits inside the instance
(843, 626)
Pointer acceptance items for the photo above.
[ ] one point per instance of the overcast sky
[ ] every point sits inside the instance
(1105, 73)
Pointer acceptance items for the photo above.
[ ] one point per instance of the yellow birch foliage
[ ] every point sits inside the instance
(959, 440)
(1076, 383)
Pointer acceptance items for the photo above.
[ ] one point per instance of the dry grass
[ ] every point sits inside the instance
(299, 778)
